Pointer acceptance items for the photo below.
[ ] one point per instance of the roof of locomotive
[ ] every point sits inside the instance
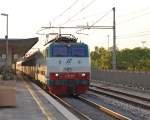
(68, 44)
(63, 41)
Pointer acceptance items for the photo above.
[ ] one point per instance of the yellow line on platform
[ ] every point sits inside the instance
(38, 101)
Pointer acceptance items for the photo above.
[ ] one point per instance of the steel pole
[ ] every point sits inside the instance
(6, 37)
(114, 41)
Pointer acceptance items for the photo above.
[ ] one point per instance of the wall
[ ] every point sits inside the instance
(131, 79)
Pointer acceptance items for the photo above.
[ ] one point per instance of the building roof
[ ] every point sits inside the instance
(19, 46)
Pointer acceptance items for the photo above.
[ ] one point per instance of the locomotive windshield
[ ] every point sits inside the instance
(73, 51)
(78, 52)
(59, 51)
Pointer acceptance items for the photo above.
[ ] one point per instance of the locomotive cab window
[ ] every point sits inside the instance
(71, 51)
(78, 52)
(59, 51)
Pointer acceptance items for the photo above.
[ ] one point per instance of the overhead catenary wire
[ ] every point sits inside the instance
(133, 36)
(101, 17)
(83, 27)
(135, 12)
(87, 5)
(77, 13)
(61, 14)
(135, 33)
(134, 18)
(70, 7)
(98, 20)
(38, 31)
(85, 17)
(88, 16)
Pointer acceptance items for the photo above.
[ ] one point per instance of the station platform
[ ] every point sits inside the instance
(32, 103)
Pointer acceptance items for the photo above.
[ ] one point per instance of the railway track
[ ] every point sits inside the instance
(111, 114)
(71, 108)
(104, 109)
(126, 97)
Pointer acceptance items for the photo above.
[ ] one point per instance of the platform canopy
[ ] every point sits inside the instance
(20, 46)
(16, 47)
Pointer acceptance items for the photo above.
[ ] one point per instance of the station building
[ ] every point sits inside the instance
(17, 48)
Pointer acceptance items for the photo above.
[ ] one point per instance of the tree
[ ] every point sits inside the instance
(137, 59)
(101, 58)
(134, 59)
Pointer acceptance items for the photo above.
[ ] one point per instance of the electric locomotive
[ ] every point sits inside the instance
(62, 66)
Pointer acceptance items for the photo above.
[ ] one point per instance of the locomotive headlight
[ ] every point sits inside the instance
(56, 74)
(83, 74)
(69, 45)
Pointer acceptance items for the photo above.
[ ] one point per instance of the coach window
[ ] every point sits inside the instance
(3, 56)
(15, 56)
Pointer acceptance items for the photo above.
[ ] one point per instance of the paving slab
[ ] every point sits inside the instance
(32, 103)
(26, 107)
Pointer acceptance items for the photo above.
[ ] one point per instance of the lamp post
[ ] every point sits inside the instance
(6, 37)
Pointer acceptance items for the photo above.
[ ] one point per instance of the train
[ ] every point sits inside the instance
(62, 66)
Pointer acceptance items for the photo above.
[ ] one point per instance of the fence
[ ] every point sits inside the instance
(131, 79)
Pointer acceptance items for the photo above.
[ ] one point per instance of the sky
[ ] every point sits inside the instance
(26, 17)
